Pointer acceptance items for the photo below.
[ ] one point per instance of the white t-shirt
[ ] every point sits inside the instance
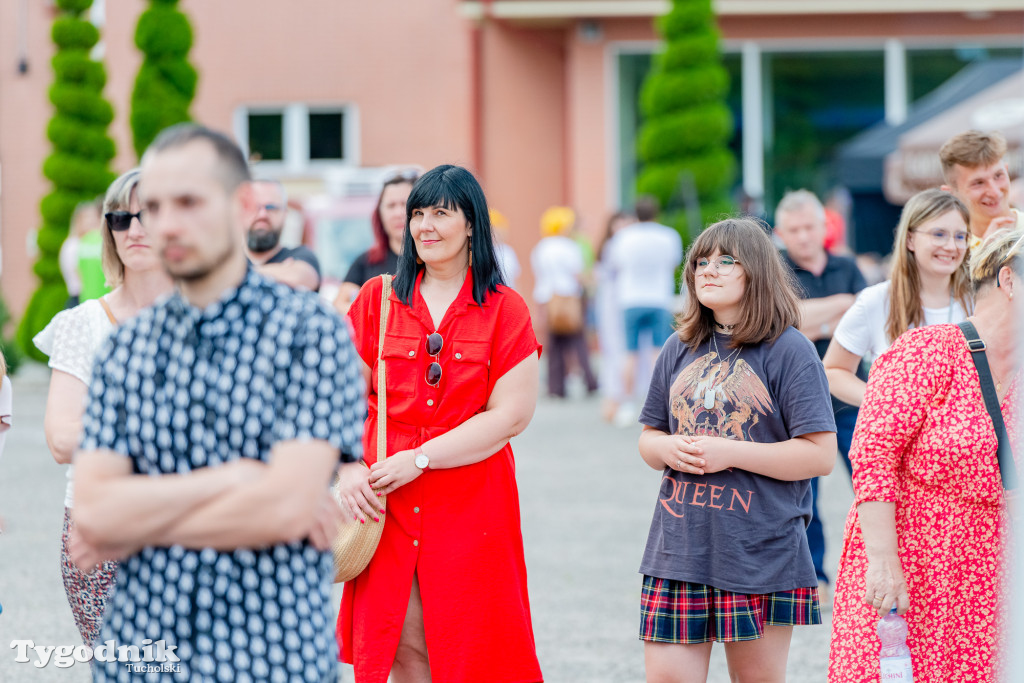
(861, 331)
(557, 264)
(644, 257)
(71, 340)
(508, 262)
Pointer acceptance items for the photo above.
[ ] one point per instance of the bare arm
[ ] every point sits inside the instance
(819, 317)
(802, 457)
(841, 370)
(346, 293)
(293, 272)
(509, 410)
(884, 577)
(62, 423)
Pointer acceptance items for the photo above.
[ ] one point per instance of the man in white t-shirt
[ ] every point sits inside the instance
(644, 257)
(977, 174)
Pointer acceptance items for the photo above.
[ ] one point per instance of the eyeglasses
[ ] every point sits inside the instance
(434, 345)
(723, 264)
(119, 221)
(939, 237)
(269, 208)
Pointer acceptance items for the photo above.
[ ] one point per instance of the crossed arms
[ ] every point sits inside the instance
(241, 504)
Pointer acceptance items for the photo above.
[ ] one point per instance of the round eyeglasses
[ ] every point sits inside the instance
(939, 237)
(723, 264)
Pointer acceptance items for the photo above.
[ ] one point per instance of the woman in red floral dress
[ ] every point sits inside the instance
(928, 528)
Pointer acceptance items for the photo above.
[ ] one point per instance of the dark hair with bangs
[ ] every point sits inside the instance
(451, 187)
(770, 303)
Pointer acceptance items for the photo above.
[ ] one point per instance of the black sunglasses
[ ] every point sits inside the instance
(119, 221)
(434, 345)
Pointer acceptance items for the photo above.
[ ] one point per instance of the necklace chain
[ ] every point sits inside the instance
(714, 339)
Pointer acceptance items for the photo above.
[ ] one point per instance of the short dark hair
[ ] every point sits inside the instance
(234, 170)
(770, 302)
(647, 208)
(451, 187)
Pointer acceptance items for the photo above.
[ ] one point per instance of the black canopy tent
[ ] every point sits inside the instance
(862, 160)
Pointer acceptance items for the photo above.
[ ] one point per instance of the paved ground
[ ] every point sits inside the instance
(587, 500)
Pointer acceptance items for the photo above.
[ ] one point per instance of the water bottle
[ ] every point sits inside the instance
(894, 656)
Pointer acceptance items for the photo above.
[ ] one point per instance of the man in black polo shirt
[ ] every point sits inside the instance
(829, 286)
(296, 267)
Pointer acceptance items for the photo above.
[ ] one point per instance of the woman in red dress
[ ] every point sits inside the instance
(445, 597)
(928, 529)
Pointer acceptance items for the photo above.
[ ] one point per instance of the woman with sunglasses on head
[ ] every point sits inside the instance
(929, 285)
(132, 266)
(737, 420)
(929, 526)
(445, 596)
(388, 223)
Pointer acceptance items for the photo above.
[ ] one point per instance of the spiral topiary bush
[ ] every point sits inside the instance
(166, 82)
(687, 124)
(79, 165)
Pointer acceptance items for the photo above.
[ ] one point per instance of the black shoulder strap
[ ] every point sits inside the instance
(1007, 468)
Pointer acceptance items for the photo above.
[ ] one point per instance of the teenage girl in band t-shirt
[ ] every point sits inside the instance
(738, 419)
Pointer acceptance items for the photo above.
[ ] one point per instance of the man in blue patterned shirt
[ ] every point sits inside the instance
(214, 424)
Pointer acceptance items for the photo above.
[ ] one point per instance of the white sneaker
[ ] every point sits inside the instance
(625, 416)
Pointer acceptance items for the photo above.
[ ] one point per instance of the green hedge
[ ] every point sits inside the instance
(166, 82)
(687, 124)
(79, 165)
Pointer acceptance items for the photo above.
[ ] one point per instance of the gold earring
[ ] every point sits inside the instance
(419, 261)
(470, 258)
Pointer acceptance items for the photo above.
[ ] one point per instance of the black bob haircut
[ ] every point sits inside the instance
(451, 187)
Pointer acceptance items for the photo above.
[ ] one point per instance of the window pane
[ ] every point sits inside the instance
(820, 99)
(930, 68)
(325, 136)
(266, 137)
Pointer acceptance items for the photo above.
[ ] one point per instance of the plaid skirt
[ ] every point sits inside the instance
(682, 612)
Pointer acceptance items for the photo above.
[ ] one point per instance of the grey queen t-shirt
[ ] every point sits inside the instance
(735, 530)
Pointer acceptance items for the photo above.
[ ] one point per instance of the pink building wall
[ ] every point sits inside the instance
(532, 102)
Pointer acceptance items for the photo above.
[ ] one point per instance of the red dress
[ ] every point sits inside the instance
(925, 442)
(458, 530)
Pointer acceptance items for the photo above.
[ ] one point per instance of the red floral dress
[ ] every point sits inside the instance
(925, 442)
(457, 529)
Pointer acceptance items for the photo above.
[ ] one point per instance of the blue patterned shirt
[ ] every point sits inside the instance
(179, 388)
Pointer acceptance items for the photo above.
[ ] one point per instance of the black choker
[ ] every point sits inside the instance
(723, 327)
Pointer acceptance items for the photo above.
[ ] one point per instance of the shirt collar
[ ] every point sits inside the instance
(180, 306)
(463, 300)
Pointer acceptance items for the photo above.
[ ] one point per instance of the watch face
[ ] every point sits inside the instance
(422, 461)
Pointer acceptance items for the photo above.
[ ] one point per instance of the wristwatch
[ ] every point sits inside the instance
(421, 461)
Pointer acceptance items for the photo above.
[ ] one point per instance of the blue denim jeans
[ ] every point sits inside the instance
(846, 420)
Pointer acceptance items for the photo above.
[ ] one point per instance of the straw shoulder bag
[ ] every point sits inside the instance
(355, 543)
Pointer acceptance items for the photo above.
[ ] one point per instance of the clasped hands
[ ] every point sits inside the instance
(695, 454)
(360, 488)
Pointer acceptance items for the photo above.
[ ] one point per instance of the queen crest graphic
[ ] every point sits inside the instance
(715, 396)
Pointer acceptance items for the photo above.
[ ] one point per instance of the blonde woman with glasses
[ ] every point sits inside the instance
(132, 267)
(929, 285)
(928, 528)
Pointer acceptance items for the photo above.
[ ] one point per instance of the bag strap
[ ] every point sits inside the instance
(1007, 468)
(110, 313)
(382, 388)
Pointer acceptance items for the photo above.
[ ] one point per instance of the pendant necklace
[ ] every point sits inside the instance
(711, 392)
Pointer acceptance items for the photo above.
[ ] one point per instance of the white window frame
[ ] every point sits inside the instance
(295, 136)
